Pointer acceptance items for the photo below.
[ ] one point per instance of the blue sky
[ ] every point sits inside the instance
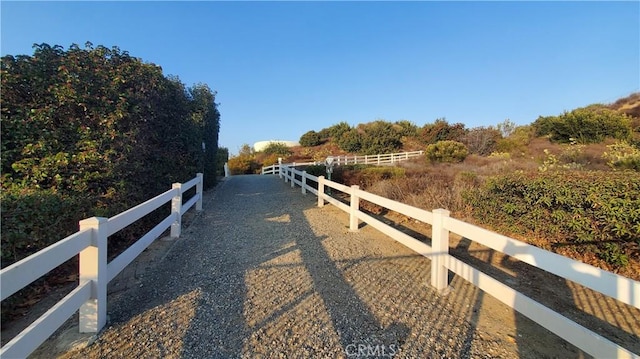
(283, 68)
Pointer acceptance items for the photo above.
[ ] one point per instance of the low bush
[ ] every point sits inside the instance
(621, 155)
(446, 151)
(365, 175)
(592, 124)
(598, 210)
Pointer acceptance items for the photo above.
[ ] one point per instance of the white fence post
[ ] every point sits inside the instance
(227, 173)
(304, 182)
(354, 207)
(199, 187)
(176, 210)
(286, 173)
(293, 178)
(440, 248)
(321, 191)
(93, 267)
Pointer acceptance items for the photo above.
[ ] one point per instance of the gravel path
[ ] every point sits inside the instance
(264, 273)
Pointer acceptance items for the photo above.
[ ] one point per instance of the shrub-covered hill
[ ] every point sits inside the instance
(567, 183)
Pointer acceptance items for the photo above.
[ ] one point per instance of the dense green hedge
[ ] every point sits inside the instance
(597, 208)
(93, 131)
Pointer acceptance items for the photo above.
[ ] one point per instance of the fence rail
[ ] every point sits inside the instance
(346, 160)
(615, 286)
(90, 296)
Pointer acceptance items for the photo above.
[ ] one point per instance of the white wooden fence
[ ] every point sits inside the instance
(615, 286)
(90, 296)
(346, 160)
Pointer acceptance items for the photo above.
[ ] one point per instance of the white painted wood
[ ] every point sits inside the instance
(176, 210)
(413, 212)
(122, 220)
(440, 247)
(193, 200)
(570, 331)
(93, 268)
(187, 186)
(199, 190)
(304, 182)
(130, 254)
(90, 296)
(338, 186)
(336, 203)
(405, 239)
(621, 288)
(35, 334)
(354, 206)
(22, 273)
(320, 191)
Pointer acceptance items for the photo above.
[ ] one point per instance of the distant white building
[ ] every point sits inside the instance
(261, 145)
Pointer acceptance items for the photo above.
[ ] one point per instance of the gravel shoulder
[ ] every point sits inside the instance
(263, 272)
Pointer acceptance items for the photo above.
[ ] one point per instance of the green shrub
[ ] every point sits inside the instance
(277, 148)
(446, 151)
(590, 124)
(310, 139)
(350, 141)
(591, 208)
(621, 155)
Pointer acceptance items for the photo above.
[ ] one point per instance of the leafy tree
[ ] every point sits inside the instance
(310, 139)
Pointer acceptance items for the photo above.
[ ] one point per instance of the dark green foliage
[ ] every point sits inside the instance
(93, 131)
(310, 139)
(316, 170)
(334, 132)
(350, 141)
(406, 128)
(222, 157)
(379, 137)
(601, 210)
(204, 114)
(441, 130)
(590, 124)
(446, 151)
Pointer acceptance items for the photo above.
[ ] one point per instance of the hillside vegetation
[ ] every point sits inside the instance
(569, 183)
(92, 132)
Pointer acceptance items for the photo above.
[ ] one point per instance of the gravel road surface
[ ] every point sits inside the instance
(263, 272)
